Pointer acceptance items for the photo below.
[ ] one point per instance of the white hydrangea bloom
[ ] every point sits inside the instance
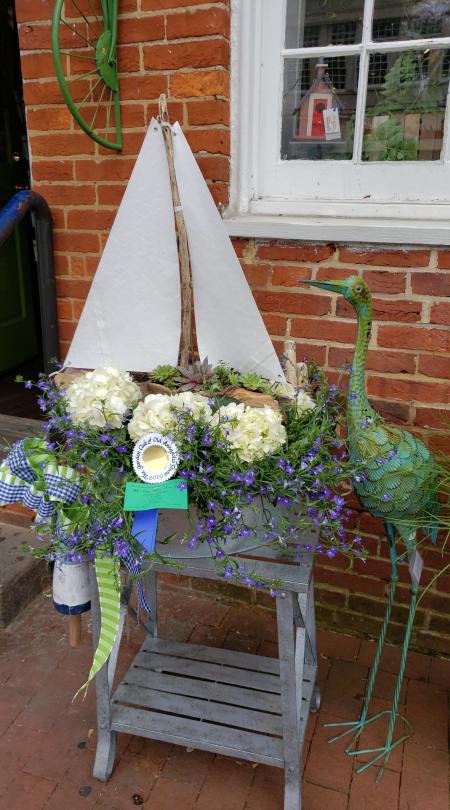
(195, 403)
(102, 397)
(304, 402)
(156, 413)
(253, 432)
(283, 389)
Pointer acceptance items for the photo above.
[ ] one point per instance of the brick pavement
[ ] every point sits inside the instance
(47, 743)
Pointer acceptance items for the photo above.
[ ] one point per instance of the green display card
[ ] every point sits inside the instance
(155, 496)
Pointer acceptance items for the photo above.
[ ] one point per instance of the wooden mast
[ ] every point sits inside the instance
(186, 353)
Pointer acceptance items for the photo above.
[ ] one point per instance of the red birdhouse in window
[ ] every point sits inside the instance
(320, 96)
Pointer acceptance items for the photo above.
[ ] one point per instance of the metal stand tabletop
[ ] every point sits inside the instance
(238, 704)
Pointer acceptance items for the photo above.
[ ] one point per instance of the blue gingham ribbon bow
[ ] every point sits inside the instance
(30, 475)
(134, 567)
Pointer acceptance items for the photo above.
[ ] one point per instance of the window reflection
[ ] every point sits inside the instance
(410, 20)
(405, 107)
(338, 22)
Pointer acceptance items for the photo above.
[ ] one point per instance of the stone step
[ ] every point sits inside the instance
(13, 428)
(22, 577)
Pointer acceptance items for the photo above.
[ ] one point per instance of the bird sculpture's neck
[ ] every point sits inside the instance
(358, 408)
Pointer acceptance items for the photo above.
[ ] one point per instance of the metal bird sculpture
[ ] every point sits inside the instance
(399, 484)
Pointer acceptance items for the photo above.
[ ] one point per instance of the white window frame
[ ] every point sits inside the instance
(406, 202)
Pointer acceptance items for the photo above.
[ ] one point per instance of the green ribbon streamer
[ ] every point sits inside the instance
(107, 574)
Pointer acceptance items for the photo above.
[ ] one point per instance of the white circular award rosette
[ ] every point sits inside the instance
(155, 458)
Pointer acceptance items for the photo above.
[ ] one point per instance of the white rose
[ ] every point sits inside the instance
(283, 389)
(304, 402)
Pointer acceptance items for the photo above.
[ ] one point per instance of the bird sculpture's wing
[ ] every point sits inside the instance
(400, 477)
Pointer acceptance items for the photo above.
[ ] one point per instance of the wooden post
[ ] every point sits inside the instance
(290, 357)
(74, 630)
(187, 298)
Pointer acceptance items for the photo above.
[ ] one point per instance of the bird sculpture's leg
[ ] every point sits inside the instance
(384, 752)
(356, 726)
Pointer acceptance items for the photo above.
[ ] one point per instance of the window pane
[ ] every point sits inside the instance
(405, 110)
(311, 87)
(310, 23)
(410, 20)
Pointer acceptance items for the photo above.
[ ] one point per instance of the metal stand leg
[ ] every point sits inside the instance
(311, 644)
(151, 596)
(291, 670)
(106, 739)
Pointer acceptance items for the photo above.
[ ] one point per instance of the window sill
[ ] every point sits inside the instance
(421, 231)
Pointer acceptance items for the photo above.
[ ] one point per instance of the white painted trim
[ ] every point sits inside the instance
(362, 82)
(389, 46)
(337, 229)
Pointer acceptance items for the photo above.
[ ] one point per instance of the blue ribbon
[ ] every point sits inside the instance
(144, 529)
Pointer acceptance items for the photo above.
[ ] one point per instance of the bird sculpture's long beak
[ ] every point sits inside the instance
(332, 286)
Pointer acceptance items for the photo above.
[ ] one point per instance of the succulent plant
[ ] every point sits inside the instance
(253, 382)
(195, 376)
(165, 375)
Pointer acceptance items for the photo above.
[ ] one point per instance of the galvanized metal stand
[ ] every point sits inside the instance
(232, 703)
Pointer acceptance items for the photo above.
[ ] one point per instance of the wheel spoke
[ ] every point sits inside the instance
(89, 93)
(81, 76)
(98, 105)
(108, 111)
(89, 25)
(77, 55)
(94, 13)
(74, 30)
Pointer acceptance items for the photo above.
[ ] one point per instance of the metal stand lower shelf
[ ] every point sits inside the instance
(208, 698)
(232, 703)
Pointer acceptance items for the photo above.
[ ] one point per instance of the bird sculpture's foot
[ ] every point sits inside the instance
(354, 727)
(381, 752)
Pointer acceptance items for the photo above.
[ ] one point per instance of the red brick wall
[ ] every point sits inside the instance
(181, 47)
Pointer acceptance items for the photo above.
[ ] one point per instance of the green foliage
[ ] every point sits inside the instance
(164, 375)
(271, 500)
(387, 142)
(406, 90)
(254, 382)
(409, 88)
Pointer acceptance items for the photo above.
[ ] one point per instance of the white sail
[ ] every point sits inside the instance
(131, 318)
(228, 323)
(132, 315)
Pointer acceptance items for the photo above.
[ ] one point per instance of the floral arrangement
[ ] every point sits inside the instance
(260, 474)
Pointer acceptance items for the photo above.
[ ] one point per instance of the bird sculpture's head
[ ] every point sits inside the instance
(354, 289)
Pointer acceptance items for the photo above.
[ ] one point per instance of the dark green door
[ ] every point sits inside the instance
(18, 327)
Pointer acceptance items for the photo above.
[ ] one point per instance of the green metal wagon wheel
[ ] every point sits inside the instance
(84, 36)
